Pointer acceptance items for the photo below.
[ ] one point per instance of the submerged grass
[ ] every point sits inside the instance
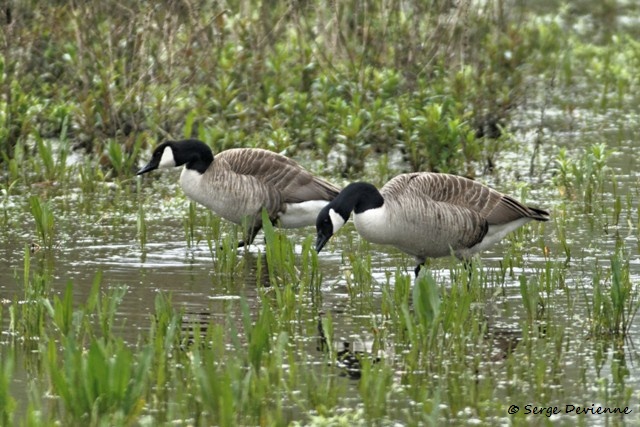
(432, 350)
(615, 300)
(43, 217)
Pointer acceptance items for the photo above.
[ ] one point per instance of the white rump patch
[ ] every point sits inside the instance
(301, 214)
(336, 220)
(497, 233)
(167, 160)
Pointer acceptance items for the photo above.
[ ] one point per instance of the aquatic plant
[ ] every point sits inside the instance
(337, 86)
(43, 217)
(426, 301)
(54, 169)
(105, 382)
(28, 315)
(123, 161)
(141, 223)
(359, 282)
(281, 258)
(62, 313)
(615, 301)
(7, 401)
(531, 300)
(190, 224)
(584, 179)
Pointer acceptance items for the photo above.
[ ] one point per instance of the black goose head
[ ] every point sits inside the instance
(358, 196)
(330, 219)
(195, 154)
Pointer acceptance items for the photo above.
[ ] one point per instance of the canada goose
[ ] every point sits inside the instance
(236, 184)
(427, 215)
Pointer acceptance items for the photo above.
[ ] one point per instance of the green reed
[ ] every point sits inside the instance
(54, 169)
(216, 394)
(62, 312)
(104, 383)
(532, 302)
(97, 378)
(123, 159)
(281, 258)
(584, 179)
(310, 273)
(374, 386)
(141, 224)
(28, 316)
(90, 176)
(320, 389)
(560, 222)
(43, 216)
(426, 301)
(359, 280)
(213, 231)
(615, 301)
(227, 260)
(169, 346)
(7, 402)
(241, 385)
(190, 221)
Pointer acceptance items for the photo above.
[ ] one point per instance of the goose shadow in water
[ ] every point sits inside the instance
(502, 341)
(237, 282)
(349, 354)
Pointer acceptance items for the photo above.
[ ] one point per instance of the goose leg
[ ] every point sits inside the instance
(251, 234)
(467, 265)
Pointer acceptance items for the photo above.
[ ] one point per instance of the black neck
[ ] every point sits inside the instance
(194, 154)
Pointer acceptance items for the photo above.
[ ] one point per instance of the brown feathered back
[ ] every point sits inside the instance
(281, 173)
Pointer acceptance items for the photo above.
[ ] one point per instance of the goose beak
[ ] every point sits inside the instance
(321, 241)
(149, 167)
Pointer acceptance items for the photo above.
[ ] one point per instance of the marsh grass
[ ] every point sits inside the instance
(123, 161)
(585, 180)
(615, 301)
(141, 223)
(320, 85)
(281, 257)
(213, 231)
(428, 353)
(112, 378)
(7, 401)
(439, 86)
(43, 217)
(190, 224)
(28, 314)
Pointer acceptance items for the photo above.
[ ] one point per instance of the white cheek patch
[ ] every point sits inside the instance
(167, 160)
(336, 220)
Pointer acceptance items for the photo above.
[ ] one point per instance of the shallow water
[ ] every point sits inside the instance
(88, 242)
(98, 233)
